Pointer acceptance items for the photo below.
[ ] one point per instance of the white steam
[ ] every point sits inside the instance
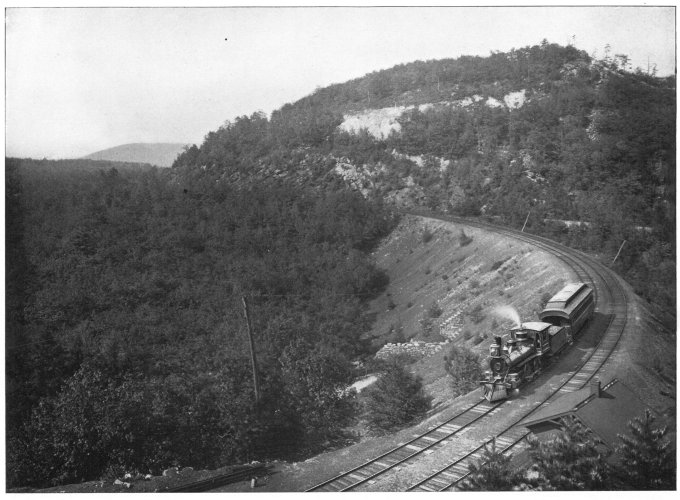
(508, 312)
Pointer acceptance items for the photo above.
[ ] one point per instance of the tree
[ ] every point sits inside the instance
(464, 368)
(395, 399)
(571, 461)
(647, 461)
(492, 472)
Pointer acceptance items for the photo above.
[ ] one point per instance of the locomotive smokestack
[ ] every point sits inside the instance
(498, 340)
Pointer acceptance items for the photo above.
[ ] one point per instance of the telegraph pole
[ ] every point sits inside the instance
(617, 253)
(253, 360)
(526, 220)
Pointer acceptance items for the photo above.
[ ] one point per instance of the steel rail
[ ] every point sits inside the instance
(406, 451)
(583, 374)
(575, 261)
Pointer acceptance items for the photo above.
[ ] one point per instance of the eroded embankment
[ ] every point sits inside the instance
(468, 274)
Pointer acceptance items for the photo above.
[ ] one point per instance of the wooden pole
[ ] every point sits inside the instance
(253, 360)
(525, 221)
(617, 253)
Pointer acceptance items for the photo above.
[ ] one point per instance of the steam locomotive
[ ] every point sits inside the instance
(532, 344)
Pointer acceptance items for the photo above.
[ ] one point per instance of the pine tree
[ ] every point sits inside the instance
(571, 461)
(464, 368)
(647, 461)
(493, 472)
(395, 399)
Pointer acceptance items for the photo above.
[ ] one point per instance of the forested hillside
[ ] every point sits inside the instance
(544, 131)
(126, 338)
(126, 345)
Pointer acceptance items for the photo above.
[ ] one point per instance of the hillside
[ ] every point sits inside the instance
(159, 154)
(545, 131)
(417, 269)
(131, 292)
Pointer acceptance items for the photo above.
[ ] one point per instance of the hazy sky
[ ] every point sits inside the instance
(81, 80)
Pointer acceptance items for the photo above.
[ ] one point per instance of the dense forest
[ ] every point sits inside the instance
(126, 337)
(126, 343)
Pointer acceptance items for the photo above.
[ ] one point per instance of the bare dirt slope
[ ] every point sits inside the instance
(469, 273)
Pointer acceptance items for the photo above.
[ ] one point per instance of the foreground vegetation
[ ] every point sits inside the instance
(575, 460)
(126, 338)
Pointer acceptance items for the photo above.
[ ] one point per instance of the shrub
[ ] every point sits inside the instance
(476, 313)
(464, 368)
(435, 311)
(445, 277)
(395, 399)
(428, 270)
(427, 235)
(498, 264)
(429, 329)
(397, 335)
(464, 239)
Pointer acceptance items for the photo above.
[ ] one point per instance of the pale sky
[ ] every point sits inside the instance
(82, 80)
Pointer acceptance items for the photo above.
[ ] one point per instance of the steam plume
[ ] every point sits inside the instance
(508, 312)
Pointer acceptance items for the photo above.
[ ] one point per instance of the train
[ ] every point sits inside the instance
(531, 345)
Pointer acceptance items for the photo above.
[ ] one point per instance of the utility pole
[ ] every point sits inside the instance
(617, 253)
(253, 360)
(526, 220)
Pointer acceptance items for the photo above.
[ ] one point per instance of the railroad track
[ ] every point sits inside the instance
(611, 301)
(436, 436)
(513, 437)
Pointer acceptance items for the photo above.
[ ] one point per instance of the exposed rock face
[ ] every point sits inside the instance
(380, 123)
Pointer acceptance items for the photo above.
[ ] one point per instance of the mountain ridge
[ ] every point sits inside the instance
(161, 154)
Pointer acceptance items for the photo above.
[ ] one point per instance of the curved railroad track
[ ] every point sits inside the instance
(611, 301)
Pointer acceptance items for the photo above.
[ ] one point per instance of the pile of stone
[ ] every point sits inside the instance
(414, 348)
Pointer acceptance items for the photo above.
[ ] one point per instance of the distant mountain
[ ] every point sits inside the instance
(161, 154)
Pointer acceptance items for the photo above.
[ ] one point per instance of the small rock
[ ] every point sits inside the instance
(187, 469)
(148, 477)
(127, 485)
(118, 482)
(172, 471)
(127, 476)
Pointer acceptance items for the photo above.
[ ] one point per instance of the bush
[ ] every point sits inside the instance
(476, 314)
(497, 264)
(464, 368)
(427, 235)
(394, 400)
(464, 239)
(435, 311)
(429, 329)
